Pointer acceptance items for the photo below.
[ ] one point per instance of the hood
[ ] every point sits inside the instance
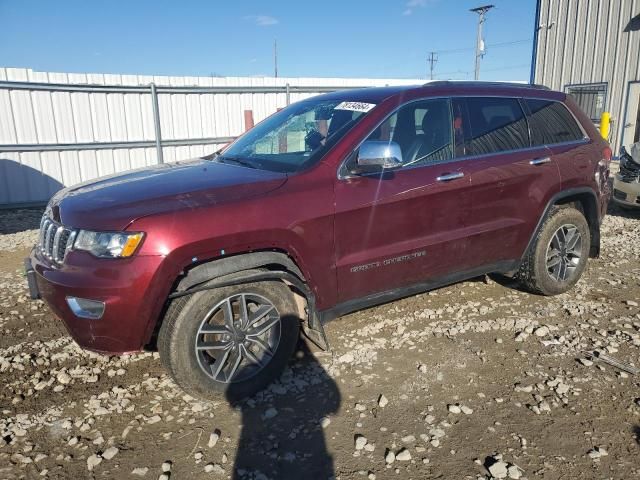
(111, 203)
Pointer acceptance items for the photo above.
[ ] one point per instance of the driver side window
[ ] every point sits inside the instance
(422, 129)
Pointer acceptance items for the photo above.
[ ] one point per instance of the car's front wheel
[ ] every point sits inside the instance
(230, 341)
(558, 257)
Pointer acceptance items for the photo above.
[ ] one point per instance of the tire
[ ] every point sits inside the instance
(194, 369)
(539, 276)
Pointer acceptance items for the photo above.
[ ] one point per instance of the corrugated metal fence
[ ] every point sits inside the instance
(583, 42)
(59, 129)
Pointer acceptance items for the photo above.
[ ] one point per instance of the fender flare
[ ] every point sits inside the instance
(592, 216)
(236, 263)
(223, 272)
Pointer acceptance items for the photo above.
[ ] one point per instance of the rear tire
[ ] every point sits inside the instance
(559, 254)
(201, 320)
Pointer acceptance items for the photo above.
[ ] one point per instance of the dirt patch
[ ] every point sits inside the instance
(472, 378)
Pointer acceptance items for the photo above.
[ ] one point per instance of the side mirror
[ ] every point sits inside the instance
(378, 155)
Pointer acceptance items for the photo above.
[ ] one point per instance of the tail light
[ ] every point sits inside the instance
(602, 172)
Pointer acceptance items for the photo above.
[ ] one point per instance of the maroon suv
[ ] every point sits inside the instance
(333, 204)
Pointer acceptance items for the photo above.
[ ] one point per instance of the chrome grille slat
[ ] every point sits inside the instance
(56, 243)
(48, 241)
(43, 229)
(54, 240)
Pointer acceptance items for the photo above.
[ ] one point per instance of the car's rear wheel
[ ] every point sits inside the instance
(558, 257)
(232, 340)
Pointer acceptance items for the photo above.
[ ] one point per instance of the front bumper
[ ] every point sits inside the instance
(626, 193)
(130, 289)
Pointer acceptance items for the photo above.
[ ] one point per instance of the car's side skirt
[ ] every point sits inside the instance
(506, 266)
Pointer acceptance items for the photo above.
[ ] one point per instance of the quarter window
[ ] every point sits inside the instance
(551, 123)
(489, 125)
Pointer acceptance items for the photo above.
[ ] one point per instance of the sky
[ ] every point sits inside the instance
(346, 38)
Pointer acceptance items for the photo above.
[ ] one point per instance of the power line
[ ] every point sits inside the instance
(492, 45)
(464, 72)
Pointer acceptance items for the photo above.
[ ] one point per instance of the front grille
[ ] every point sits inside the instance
(619, 195)
(55, 240)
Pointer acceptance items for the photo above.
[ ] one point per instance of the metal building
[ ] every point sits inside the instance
(591, 49)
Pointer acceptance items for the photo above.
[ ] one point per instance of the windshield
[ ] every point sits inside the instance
(295, 137)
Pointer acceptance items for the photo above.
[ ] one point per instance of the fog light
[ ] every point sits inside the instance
(84, 308)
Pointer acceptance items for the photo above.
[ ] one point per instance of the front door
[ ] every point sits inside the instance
(631, 125)
(406, 225)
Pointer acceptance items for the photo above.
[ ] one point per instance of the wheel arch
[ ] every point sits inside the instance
(268, 265)
(219, 267)
(583, 199)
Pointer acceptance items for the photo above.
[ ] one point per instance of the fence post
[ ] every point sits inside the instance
(156, 122)
(248, 120)
(288, 94)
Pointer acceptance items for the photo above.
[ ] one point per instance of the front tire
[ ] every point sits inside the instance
(231, 341)
(556, 260)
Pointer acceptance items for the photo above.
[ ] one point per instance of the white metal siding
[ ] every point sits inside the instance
(587, 44)
(44, 117)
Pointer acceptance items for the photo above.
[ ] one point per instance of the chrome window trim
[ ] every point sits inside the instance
(580, 141)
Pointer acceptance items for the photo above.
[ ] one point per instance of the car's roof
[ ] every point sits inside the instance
(435, 88)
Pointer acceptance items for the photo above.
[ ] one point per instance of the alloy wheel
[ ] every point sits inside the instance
(238, 337)
(564, 252)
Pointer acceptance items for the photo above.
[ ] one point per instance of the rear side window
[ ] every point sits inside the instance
(489, 125)
(550, 122)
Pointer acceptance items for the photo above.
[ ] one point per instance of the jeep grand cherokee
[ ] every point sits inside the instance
(333, 204)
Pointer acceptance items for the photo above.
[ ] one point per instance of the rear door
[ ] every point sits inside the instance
(407, 225)
(511, 180)
(553, 125)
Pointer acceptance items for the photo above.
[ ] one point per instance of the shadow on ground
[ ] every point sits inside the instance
(616, 210)
(290, 444)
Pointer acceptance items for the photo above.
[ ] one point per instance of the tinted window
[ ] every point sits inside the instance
(551, 122)
(488, 125)
(422, 130)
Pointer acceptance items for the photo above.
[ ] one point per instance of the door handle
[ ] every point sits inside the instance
(539, 161)
(447, 177)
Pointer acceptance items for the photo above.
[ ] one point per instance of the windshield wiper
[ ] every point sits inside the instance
(237, 161)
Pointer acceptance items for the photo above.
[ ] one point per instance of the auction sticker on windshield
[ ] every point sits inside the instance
(355, 106)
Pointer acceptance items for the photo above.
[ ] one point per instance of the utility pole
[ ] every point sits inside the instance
(275, 58)
(481, 11)
(433, 59)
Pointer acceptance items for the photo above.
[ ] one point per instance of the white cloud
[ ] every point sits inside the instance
(262, 20)
(412, 5)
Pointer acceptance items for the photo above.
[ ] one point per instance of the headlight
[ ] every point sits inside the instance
(108, 244)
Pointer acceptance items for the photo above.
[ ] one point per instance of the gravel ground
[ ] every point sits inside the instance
(476, 380)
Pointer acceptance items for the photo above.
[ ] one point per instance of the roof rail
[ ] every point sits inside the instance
(440, 83)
